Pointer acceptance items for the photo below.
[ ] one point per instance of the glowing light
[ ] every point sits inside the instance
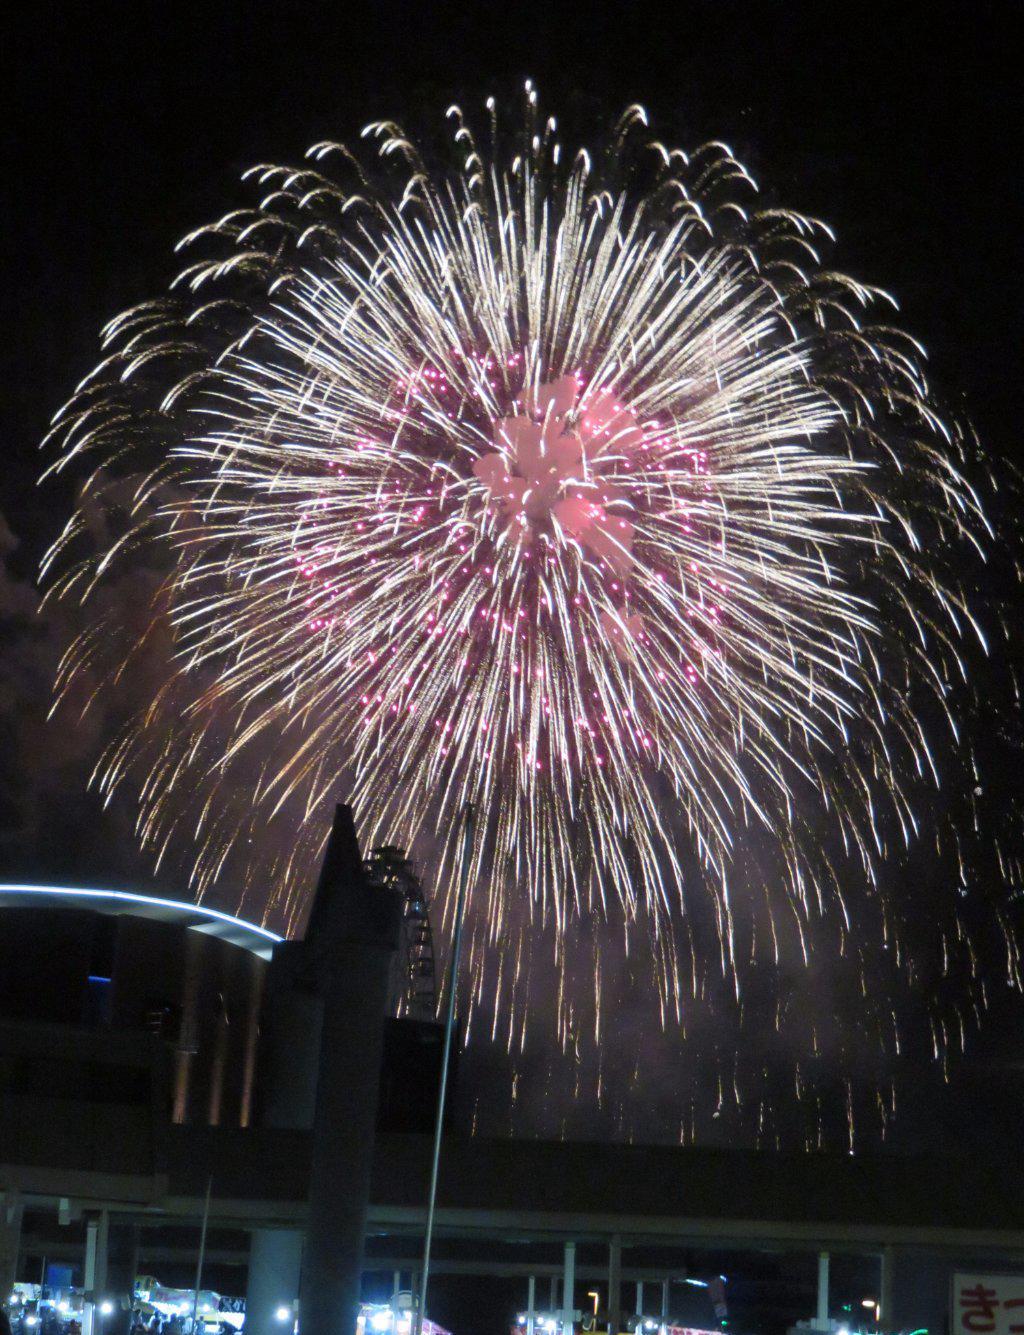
(18, 889)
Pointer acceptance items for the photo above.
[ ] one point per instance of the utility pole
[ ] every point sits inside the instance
(468, 833)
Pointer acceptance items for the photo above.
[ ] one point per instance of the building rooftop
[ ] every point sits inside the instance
(196, 917)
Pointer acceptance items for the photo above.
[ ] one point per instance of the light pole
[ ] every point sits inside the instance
(468, 832)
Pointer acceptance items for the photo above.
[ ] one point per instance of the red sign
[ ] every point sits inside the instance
(987, 1305)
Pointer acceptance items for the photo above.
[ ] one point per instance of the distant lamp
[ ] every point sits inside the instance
(283, 1313)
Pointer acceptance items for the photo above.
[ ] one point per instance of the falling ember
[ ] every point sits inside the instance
(581, 488)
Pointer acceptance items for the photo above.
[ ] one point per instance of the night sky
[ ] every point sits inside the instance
(128, 126)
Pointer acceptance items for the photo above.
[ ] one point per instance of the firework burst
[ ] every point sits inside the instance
(577, 486)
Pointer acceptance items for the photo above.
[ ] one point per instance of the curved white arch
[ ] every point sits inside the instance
(196, 917)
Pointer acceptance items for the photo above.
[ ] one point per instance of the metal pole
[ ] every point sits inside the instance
(468, 831)
(883, 1308)
(11, 1213)
(614, 1284)
(531, 1305)
(822, 1318)
(568, 1288)
(202, 1253)
(92, 1228)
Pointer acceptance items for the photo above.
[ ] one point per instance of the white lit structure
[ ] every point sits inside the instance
(384, 1319)
(197, 917)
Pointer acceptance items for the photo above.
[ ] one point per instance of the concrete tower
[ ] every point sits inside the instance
(320, 1066)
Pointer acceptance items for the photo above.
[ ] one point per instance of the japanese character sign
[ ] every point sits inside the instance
(987, 1305)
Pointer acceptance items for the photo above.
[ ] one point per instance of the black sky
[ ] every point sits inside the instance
(126, 126)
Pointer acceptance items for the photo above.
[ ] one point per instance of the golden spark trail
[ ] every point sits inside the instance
(575, 486)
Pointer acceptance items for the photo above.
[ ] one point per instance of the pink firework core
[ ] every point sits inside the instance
(571, 473)
(550, 464)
